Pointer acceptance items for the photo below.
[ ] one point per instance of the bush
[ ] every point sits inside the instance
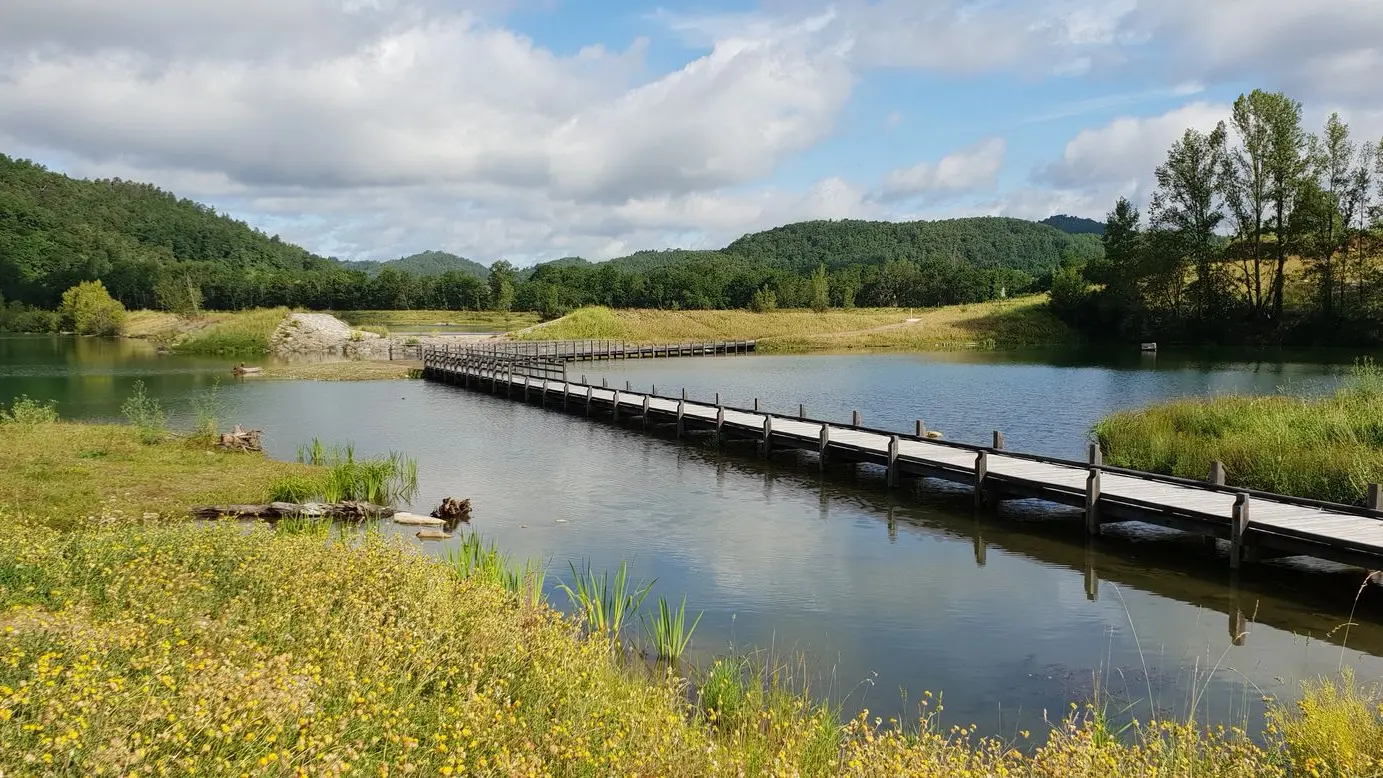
(90, 310)
(763, 301)
(29, 412)
(208, 406)
(145, 414)
(18, 317)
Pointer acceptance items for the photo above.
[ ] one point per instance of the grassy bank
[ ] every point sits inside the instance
(221, 333)
(421, 320)
(1327, 448)
(129, 643)
(1024, 321)
(343, 370)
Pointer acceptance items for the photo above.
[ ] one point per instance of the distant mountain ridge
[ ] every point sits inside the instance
(424, 263)
(1074, 225)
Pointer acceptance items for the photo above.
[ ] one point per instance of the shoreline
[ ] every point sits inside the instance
(505, 684)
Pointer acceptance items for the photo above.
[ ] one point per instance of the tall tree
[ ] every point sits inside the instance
(821, 290)
(1287, 166)
(502, 277)
(1246, 183)
(1187, 203)
(1332, 166)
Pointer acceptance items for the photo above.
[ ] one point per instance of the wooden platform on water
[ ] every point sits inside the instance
(1255, 524)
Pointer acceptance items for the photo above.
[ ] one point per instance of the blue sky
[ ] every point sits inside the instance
(532, 129)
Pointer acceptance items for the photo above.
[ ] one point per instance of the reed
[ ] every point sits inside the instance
(668, 631)
(294, 488)
(606, 603)
(474, 559)
(384, 481)
(1327, 448)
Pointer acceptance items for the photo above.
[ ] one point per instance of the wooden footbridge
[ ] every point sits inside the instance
(1256, 525)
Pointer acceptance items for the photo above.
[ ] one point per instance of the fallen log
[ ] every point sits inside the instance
(433, 534)
(349, 510)
(414, 520)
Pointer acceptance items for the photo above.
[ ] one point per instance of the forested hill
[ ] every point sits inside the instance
(427, 263)
(985, 242)
(56, 231)
(1076, 225)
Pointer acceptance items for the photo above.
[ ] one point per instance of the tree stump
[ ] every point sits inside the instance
(453, 512)
(241, 439)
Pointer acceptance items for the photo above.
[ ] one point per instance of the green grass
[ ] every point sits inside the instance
(1326, 448)
(129, 645)
(667, 630)
(495, 320)
(382, 481)
(1024, 321)
(245, 333)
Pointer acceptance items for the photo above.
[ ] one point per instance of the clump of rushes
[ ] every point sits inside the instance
(294, 488)
(606, 604)
(668, 631)
(474, 559)
(384, 481)
(1328, 448)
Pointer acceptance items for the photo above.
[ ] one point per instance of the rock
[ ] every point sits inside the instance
(414, 520)
(433, 534)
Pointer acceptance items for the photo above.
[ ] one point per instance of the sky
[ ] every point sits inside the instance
(536, 129)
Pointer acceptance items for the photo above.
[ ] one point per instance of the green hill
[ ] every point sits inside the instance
(1075, 225)
(426, 263)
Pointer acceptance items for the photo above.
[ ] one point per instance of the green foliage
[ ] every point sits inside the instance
(474, 559)
(668, 631)
(294, 488)
(208, 406)
(180, 295)
(89, 310)
(1327, 449)
(763, 301)
(606, 604)
(821, 290)
(145, 414)
(18, 317)
(28, 412)
(383, 481)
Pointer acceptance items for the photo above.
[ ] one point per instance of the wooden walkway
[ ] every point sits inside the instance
(1257, 525)
(591, 350)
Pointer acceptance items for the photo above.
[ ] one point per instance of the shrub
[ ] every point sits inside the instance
(90, 310)
(145, 414)
(763, 301)
(208, 406)
(29, 412)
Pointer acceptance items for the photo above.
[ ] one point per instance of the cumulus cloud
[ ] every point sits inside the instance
(965, 171)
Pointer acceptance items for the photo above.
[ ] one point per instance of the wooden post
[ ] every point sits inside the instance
(590, 395)
(855, 419)
(981, 475)
(921, 429)
(684, 393)
(717, 399)
(1096, 456)
(566, 395)
(1217, 473)
(583, 378)
(766, 445)
(1375, 499)
(893, 461)
(681, 410)
(509, 383)
(645, 411)
(543, 398)
(1092, 501)
(823, 444)
(628, 387)
(720, 423)
(1238, 525)
(604, 383)
(616, 405)
(756, 405)
(998, 440)
(801, 411)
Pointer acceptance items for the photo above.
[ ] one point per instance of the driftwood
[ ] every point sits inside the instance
(453, 511)
(241, 439)
(243, 369)
(414, 520)
(350, 510)
(433, 534)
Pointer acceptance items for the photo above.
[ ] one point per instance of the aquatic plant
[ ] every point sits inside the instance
(145, 414)
(383, 481)
(294, 488)
(668, 631)
(606, 604)
(472, 558)
(28, 412)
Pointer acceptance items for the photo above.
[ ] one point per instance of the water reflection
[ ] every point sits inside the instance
(1010, 614)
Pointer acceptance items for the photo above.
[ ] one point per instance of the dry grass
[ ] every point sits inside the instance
(495, 320)
(343, 370)
(71, 474)
(1017, 322)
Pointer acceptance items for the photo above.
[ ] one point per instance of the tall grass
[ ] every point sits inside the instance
(383, 481)
(244, 333)
(474, 559)
(668, 632)
(208, 407)
(1327, 448)
(606, 604)
(145, 414)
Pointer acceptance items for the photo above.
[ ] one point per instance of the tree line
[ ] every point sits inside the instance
(1257, 230)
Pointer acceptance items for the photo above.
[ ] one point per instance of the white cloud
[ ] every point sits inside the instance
(1128, 149)
(968, 170)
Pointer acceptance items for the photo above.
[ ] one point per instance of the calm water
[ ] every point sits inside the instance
(1008, 615)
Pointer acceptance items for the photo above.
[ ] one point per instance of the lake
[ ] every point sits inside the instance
(880, 595)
